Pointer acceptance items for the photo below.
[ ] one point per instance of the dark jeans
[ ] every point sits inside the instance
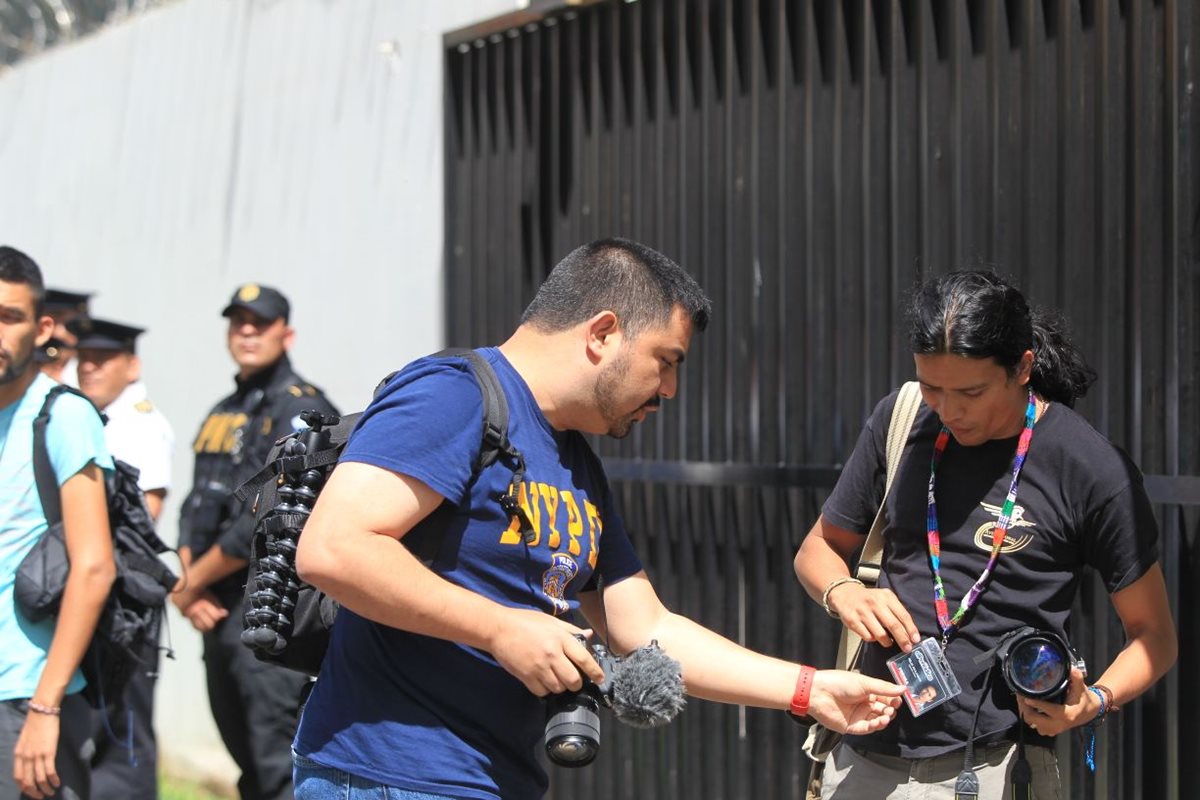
(125, 766)
(314, 782)
(74, 747)
(256, 707)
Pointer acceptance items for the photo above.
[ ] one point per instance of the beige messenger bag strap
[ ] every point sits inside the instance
(821, 740)
(869, 563)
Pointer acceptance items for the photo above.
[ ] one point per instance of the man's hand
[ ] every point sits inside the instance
(1050, 719)
(184, 594)
(848, 702)
(543, 652)
(876, 615)
(204, 612)
(33, 756)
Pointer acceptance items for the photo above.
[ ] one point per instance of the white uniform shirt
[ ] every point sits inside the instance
(138, 434)
(70, 374)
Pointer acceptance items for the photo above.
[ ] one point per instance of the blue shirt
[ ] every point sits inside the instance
(430, 715)
(74, 439)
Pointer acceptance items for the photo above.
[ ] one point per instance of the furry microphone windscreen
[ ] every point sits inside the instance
(648, 688)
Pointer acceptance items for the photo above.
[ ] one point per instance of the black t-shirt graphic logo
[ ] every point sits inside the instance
(1014, 540)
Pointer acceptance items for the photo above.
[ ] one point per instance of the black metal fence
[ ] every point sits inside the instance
(808, 162)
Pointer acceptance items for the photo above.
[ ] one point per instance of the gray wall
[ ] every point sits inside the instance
(298, 143)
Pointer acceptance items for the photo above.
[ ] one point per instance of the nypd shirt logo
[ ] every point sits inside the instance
(569, 525)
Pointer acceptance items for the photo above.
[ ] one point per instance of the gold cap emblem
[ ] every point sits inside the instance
(249, 292)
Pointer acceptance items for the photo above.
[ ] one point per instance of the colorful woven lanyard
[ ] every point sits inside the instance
(945, 621)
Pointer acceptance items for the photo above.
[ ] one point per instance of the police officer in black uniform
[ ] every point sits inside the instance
(255, 705)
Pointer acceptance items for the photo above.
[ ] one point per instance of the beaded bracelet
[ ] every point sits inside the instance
(836, 582)
(53, 711)
(1107, 706)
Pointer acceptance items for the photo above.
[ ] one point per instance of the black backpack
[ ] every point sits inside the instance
(287, 621)
(133, 613)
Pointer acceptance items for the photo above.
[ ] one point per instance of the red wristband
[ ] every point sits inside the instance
(803, 689)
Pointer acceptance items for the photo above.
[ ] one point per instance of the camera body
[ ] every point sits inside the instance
(1037, 664)
(573, 719)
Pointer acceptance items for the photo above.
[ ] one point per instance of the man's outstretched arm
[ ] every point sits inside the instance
(715, 668)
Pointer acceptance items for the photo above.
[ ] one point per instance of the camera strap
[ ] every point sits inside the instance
(966, 786)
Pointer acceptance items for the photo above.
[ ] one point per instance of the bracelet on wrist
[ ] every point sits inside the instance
(1102, 711)
(1107, 706)
(833, 584)
(38, 708)
(803, 693)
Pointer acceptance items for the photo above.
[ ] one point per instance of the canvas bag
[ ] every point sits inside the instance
(821, 741)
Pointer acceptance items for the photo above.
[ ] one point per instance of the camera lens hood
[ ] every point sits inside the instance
(573, 730)
(1035, 663)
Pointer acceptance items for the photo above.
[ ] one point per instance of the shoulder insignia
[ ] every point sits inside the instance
(144, 406)
(295, 391)
(310, 391)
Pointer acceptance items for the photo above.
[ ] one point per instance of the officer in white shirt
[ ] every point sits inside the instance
(138, 434)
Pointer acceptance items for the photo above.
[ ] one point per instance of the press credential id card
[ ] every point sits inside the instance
(925, 676)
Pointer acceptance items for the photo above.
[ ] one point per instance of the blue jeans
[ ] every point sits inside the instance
(315, 782)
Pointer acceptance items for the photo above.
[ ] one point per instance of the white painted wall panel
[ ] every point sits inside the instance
(298, 143)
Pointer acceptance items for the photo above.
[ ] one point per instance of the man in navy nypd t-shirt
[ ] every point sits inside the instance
(434, 678)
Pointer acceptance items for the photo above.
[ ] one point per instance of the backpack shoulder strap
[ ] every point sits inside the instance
(43, 470)
(495, 409)
(496, 444)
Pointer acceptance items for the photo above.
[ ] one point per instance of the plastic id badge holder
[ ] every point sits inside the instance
(925, 676)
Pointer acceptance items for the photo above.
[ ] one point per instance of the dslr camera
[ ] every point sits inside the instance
(573, 719)
(644, 690)
(1037, 664)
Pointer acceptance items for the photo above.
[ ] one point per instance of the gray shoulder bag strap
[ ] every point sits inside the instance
(821, 740)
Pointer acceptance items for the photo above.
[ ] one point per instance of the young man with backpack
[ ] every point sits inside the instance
(44, 721)
(254, 704)
(434, 679)
(138, 434)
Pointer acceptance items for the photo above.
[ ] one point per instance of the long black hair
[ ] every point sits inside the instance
(977, 314)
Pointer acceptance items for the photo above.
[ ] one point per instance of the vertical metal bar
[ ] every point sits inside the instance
(1062, 114)
(1133, 222)
(894, 67)
(923, 189)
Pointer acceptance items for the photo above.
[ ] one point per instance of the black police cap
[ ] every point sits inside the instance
(49, 352)
(264, 301)
(62, 300)
(103, 334)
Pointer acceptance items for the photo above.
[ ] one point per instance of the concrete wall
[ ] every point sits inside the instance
(162, 162)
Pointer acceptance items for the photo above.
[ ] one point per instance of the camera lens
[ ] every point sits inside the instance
(1037, 667)
(573, 731)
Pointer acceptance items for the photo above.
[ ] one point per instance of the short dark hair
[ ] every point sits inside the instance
(977, 314)
(640, 285)
(16, 267)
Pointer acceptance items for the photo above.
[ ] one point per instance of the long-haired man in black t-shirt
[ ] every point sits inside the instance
(1003, 494)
